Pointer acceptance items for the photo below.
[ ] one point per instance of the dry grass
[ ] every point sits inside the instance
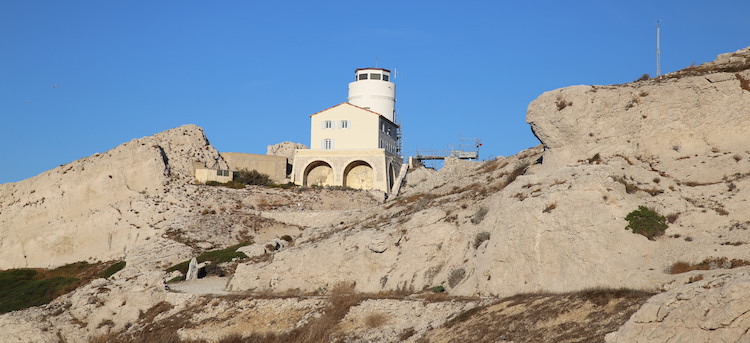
(710, 263)
(584, 316)
(708, 68)
(154, 311)
(744, 83)
(375, 320)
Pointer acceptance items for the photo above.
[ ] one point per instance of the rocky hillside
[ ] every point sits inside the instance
(528, 248)
(100, 207)
(553, 218)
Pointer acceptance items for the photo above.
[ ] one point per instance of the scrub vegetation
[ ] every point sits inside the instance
(24, 288)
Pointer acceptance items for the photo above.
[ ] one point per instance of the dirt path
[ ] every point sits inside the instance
(209, 285)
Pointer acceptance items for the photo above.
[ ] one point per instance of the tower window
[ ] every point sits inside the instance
(385, 77)
(363, 76)
(374, 76)
(327, 124)
(327, 144)
(344, 124)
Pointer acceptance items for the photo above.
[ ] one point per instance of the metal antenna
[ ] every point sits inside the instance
(658, 50)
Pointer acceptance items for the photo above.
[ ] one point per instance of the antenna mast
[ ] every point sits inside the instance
(658, 50)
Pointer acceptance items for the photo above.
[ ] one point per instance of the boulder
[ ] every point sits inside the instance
(285, 149)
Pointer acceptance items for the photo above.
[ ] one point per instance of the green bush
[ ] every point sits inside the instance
(252, 177)
(215, 256)
(438, 289)
(645, 221)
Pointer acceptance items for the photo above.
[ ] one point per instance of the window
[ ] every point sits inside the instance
(344, 124)
(222, 172)
(374, 76)
(363, 76)
(327, 124)
(385, 77)
(327, 144)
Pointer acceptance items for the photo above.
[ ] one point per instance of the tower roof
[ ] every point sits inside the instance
(358, 69)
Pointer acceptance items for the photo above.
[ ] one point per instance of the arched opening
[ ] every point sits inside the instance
(359, 175)
(318, 173)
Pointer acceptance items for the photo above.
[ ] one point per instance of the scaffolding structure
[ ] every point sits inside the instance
(468, 149)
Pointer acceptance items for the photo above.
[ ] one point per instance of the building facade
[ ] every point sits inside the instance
(356, 143)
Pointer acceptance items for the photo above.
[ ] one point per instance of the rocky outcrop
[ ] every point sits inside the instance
(98, 207)
(686, 113)
(711, 310)
(285, 149)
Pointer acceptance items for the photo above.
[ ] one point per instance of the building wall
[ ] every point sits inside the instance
(204, 175)
(387, 133)
(360, 169)
(273, 166)
(362, 133)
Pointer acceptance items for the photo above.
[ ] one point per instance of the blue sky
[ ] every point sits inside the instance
(250, 72)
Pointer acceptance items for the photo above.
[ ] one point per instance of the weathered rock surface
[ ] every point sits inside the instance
(99, 207)
(285, 149)
(712, 310)
(683, 114)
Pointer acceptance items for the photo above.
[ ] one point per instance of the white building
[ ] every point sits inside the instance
(355, 143)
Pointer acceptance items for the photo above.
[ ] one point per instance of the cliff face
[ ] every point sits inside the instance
(691, 112)
(97, 207)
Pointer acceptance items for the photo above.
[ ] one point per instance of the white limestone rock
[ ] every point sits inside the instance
(285, 149)
(711, 310)
(99, 207)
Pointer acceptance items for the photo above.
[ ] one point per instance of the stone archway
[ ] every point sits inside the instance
(359, 175)
(318, 173)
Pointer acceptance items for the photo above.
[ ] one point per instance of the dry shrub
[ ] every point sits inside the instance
(480, 238)
(154, 311)
(695, 278)
(710, 263)
(721, 211)
(490, 166)
(406, 334)
(562, 104)
(457, 275)
(375, 320)
(744, 83)
(479, 215)
(550, 207)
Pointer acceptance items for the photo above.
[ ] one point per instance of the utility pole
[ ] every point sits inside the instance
(658, 50)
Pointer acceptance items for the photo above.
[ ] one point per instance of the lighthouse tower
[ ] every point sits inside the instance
(354, 144)
(373, 90)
